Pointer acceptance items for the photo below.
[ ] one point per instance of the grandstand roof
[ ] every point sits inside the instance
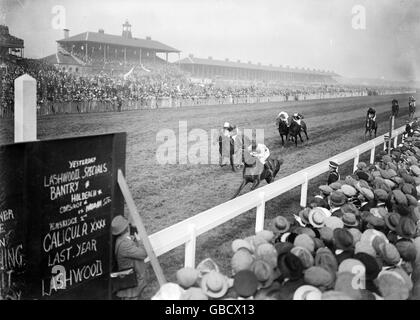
(100, 37)
(232, 64)
(61, 58)
(7, 40)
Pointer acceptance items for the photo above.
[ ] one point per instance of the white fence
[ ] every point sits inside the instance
(186, 231)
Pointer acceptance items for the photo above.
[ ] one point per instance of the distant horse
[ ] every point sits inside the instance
(254, 171)
(295, 129)
(226, 149)
(395, 108)
(283, 131)
(371, 126)
(411, 110)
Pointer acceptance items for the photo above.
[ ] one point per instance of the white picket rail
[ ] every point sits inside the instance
(186, 231)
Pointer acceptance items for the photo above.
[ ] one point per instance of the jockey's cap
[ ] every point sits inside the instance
(226, 125)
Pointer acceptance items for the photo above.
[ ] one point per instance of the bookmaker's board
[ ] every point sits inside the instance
(57, 200)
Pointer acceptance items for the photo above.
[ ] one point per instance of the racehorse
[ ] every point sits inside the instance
(226, 147)
(395, 108)
(371, 125)
(283, 131)
(254, 171)
(411, 110)
(295, 129)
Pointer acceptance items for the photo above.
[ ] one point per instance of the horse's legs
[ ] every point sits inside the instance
(300, 136)
(231, 162)
(255, 184)
(243, 184)
(282, 140)
(306, 134)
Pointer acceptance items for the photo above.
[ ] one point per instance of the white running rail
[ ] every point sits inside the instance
(187, 231)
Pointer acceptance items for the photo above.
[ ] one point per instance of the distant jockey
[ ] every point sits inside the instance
(283, 116)
(371, 113)
(412, 102)
(297, 117)
(261, 152)
(227, 129)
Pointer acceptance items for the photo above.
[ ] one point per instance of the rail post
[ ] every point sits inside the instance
(304, 191)
(25, 108)
(259, 219)
(356, 160)
(372, 153)
(190, 247)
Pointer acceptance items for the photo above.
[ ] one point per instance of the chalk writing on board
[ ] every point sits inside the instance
(70, 277)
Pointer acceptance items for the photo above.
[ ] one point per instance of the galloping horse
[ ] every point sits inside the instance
(254, 171)
(395, 107)
(283, 131)
(411, 109)
(295, 129)
(371, 125)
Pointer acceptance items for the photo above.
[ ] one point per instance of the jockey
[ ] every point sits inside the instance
(412, 101)
(261, 152)
(283, 116)
(297, 117)
(227, 129)
(371, 113)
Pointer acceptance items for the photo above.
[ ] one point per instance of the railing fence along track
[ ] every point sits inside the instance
(187, 231)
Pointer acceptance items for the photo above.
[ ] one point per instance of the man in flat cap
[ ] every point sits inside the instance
(333, 175)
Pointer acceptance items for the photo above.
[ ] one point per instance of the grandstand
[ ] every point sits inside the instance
(99, 51)
(237, 70)
(10, 47)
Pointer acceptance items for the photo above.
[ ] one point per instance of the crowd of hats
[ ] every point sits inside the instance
(358, 239)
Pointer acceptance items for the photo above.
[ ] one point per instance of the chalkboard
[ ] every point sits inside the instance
(69, 196)
(12, 221)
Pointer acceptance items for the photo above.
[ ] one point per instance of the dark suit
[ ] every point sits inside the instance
(333, 177)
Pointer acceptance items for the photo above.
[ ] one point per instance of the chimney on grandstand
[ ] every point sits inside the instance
(127, 30)
(66, 33)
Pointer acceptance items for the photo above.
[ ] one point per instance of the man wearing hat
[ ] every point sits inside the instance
(333, 175)
(129, 253)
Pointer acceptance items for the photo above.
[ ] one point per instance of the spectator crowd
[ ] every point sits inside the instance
(57, 86)
(358, 239)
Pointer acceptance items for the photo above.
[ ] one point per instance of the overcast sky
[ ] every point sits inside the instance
(303, 33)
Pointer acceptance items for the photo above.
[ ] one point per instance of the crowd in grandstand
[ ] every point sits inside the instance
(55, 86)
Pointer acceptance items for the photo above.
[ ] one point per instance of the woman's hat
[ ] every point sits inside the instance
(281, 224)
(264, 272)
(187, 277)
(118, 225)
(317, 217)
(169, 291)
(349, 219)
(245, 283)
(307, 292)
(214, 284)
(392, 220)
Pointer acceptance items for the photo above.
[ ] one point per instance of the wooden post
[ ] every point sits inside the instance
(190, 248)
(391, 128)
(140, 227)
(356, 160)
(372, 154)
(304, 192)
(25, 108)
(259, 219)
